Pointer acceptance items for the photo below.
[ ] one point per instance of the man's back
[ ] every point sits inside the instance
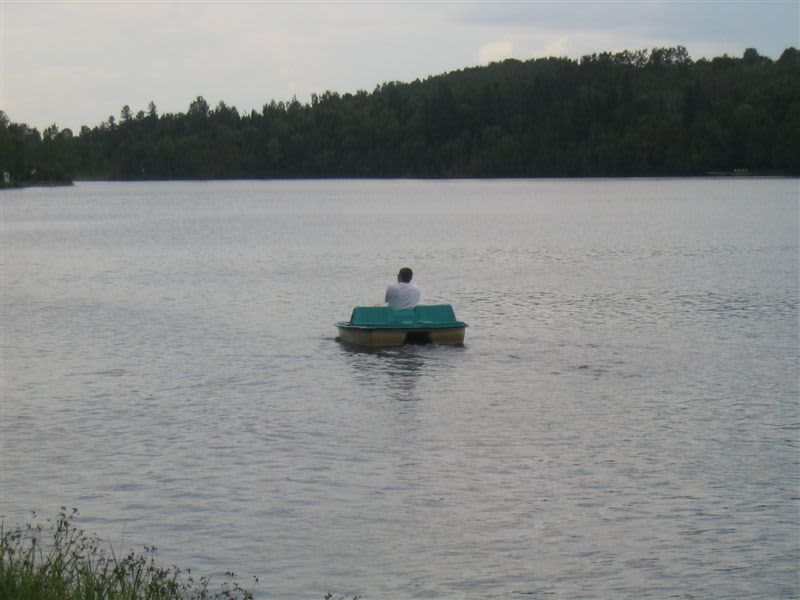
(402, 296)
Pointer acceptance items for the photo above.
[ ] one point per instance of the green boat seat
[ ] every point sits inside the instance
(369, 315)
(437, 313)
(380, 317)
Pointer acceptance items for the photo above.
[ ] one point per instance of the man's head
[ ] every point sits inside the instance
(405, 275)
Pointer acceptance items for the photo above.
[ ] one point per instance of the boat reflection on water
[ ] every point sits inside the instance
(404, 373)
(395, 371)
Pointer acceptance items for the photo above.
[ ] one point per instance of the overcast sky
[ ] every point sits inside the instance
(76, 63)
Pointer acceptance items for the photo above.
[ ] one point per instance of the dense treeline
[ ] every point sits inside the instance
(652, 112)
(26, 156)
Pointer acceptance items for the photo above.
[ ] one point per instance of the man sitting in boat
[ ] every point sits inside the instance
(403, 295)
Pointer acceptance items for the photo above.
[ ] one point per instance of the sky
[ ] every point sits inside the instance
(76, 63)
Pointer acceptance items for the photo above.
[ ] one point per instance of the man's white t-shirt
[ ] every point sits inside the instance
(402, 296)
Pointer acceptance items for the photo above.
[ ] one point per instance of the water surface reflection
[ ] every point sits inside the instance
(395, 371)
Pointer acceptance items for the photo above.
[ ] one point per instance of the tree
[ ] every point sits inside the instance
(752, 57)
(198, 109)
(790, 57)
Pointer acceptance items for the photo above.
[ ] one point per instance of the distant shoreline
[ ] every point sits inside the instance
(28, 184)
(711, 175)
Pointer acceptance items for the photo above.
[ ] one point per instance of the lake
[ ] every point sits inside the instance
(622, 421)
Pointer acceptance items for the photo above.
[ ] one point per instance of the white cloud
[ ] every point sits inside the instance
(495, 51)
(557, 47)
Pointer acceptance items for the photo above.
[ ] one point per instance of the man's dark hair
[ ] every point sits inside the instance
(406, 274)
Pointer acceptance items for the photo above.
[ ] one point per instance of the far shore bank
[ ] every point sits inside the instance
(29, 184)
(712, 175)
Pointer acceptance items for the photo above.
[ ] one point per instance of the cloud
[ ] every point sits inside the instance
(495, 51)
(768, 25)
(557, 47)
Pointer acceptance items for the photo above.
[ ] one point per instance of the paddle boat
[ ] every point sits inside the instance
(382, 326)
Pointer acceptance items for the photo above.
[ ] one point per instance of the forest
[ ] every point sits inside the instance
(632, 113)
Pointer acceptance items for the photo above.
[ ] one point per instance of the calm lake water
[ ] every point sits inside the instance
(622, 421)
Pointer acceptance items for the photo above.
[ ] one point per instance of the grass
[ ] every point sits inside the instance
(58, 561)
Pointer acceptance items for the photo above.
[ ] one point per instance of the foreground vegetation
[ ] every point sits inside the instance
(631, 113)
(58, 561)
